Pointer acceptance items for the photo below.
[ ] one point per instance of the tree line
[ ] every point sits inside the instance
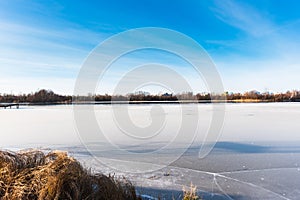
(40, 97)
(49, 97)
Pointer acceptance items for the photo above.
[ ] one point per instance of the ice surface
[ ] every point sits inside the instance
(256, 157)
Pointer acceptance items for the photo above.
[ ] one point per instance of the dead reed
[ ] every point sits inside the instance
(54, 176)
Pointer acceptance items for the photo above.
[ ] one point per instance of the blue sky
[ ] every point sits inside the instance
(254, 44)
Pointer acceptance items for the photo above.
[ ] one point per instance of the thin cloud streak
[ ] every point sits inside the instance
(244, 17)
(35, 51)
(272, 50)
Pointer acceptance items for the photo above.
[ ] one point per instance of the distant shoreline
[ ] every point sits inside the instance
(241, 101)
(48, 97)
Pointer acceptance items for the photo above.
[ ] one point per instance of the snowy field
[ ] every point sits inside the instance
(256, 156)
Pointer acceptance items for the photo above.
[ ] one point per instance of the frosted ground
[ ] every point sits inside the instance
(256, 157)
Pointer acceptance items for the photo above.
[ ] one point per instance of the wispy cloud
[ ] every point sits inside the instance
(244, 17)
(14, 34)
(264, 56)
(28, 48)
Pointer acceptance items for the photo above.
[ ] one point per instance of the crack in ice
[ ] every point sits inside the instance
(257, 170)
(221, 175)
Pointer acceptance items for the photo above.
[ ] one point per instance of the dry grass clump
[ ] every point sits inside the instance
(190, 193)
(36, 175)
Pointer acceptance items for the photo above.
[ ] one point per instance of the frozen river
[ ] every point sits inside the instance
(256, 155)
